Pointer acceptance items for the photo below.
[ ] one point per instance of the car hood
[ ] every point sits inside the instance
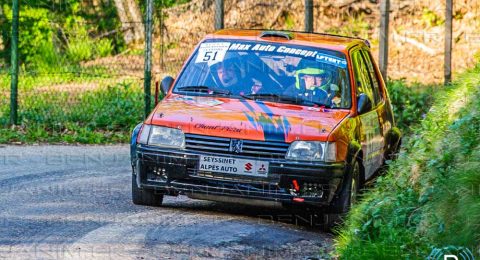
(246, 119)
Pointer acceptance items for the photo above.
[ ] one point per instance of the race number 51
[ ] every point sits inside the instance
(212, 52)
(210, 56)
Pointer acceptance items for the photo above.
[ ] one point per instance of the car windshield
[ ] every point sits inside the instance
(282, 72)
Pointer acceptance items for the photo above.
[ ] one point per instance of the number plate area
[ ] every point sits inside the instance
(233, 166)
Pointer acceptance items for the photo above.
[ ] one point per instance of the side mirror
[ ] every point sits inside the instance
(164, 87)
(364, 104)
(166, 84)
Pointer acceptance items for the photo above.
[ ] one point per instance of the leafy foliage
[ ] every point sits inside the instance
(410, 103)
(356, 26)
(430, 195)
(169, 3)
(104, 47)
(431, 19)
(55, 34)
(35, 31)
(105, 114)
(80, 47)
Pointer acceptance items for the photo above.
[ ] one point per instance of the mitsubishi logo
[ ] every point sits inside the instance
(236, 146)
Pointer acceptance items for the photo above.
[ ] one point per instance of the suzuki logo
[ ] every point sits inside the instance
(236, 146)
(248, 167)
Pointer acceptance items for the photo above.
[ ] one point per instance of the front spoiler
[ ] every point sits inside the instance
(180, 175)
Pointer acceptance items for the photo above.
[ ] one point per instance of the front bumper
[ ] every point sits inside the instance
(176, 171)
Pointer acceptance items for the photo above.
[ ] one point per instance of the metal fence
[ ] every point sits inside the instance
(77, 79)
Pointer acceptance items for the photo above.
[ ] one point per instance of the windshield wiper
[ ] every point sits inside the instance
(315, 103)
(292, 99)
(205, 89)
(272, 96)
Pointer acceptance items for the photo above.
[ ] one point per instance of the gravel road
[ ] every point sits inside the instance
(73, 202)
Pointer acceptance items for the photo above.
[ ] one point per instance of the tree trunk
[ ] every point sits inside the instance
(136, 17)
(130, 16)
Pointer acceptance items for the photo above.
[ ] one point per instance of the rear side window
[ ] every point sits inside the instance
(362, 77)
(373, 76)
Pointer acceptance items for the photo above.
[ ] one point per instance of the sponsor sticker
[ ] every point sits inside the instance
(212, 52)
(332, 60)
(233, 166)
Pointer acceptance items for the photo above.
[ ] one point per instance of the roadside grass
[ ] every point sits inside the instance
(88, 108)
(430, 196)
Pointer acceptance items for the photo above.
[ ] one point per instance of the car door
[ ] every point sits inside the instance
(380, 108)
(371, 130)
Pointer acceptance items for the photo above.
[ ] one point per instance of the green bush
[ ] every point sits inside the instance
(103, 115)
(431, 19)
(429, 197)
(169, 3)
(104, 47)
(46, 59)
(410, 102)
(79, 50)
(55, 35)
(455, 195)
(35, 32)
(80, 46)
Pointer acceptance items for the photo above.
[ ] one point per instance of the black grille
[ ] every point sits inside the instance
(221, 145)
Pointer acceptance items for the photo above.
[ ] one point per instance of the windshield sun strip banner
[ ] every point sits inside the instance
(215, 51)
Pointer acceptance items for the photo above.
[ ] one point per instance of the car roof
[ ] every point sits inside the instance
(322, 40)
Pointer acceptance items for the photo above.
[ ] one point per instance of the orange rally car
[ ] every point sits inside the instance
(267, 117)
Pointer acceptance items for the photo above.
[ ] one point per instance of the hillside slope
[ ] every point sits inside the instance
(430, 197)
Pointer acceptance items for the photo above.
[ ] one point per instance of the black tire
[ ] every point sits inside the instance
(347, 196)
(143, 196)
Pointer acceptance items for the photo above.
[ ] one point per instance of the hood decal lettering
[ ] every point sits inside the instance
(199, 101)
(230, 129)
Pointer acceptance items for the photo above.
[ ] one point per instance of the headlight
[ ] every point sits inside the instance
(162, 136)
(312, 151)
(144, 134)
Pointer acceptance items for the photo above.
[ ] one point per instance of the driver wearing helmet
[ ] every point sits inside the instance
(230, 77)
(314, 85)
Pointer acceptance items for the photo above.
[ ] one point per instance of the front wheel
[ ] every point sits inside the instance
(143, 196)
(347, 196)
